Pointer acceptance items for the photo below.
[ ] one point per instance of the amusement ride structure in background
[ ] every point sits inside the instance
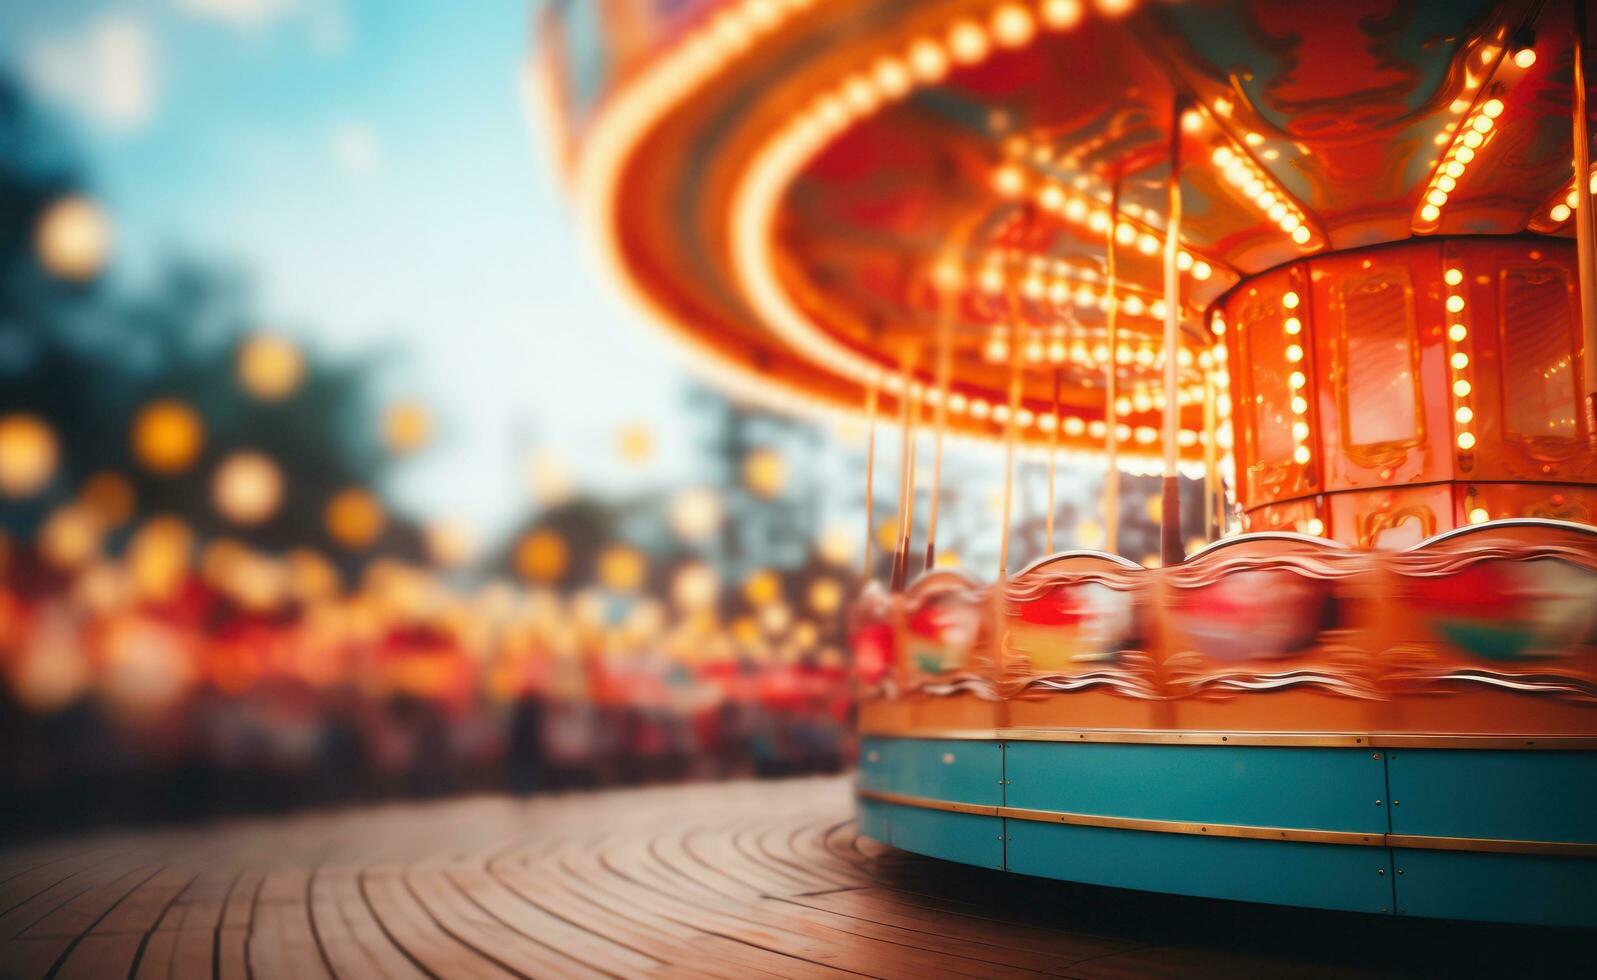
(1334, 260)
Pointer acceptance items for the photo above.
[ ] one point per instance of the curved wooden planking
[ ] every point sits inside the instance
(728, 880)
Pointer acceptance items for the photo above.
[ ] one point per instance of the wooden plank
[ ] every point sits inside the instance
(753, 879)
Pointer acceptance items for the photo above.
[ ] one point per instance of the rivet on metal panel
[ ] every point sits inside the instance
(1397, 802)
(1377, 802)
(1381, 871)
(1383, 908)
(1399, 870)
(1375, 755)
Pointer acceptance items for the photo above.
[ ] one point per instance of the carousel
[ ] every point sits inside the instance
(1333, 261)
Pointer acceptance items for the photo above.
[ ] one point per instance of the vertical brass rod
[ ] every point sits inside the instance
(910, 480)
(896, 580)
(1584, 240)
(1017, 343)
(1053, 454)
(870, 475)
(1111, 480)
(1171, 551)
(945, 360)
(1211, 463)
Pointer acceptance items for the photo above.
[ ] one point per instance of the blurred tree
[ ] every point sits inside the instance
(87, 354)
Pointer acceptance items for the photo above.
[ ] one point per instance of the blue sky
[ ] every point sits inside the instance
(370, 163)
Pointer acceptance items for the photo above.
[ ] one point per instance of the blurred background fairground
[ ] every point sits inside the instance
(329, 470)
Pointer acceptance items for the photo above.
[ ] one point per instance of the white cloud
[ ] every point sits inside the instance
(107, 72)
(238, 13)
(356, 149)
(324, 21)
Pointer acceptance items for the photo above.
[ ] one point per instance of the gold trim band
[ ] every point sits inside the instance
(1365, 740)
(1344, 837)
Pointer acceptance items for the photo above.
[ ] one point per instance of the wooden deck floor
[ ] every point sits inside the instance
(729, 880)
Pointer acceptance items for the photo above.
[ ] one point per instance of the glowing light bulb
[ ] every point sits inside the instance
(1459, 360)
(1290, 300)
(1301, 454)
(1455, 304)
(927, 60)
(967, 42)
(1479, 515)
(1466, 440)
(1453, 277)
(1524, 57)
(1493, 108)
(1457, 332)
(1061, 15)
(1013, 25)
(1464, 415)
(1461, 388)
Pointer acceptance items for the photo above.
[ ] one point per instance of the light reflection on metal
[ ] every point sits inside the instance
(1584, 230)
(1111, 483)
(1170, 545)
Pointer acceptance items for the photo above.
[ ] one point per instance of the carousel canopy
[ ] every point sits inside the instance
(809, 194)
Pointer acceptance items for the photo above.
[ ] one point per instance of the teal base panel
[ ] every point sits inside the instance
(1325, 876)
(1468, 794)
(1550, 796)
(960, 770)
(963, 837)
(1527, 888)
(1259, 786)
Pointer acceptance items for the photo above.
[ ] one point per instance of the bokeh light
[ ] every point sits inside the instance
(407, 427)
(762, 587)
(542, 557)
(70, 537)
(696, 514)
(167, 436)
(73, 238)
(29, 454)
(270, 367)
(622, 568)
(635, 443)
(451, 543)
(110, 497)
(247, 488)
(355, 518)
(765, 473)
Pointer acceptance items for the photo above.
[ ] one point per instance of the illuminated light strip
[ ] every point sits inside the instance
(1298, 382)
(615, 134)
(627, 118)
(1458, 363)
(1562, 207)
(1477, 129)
(1087, 214)
(1261, 187)
(1040, 288)
(758, 194)
(1062, 286)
